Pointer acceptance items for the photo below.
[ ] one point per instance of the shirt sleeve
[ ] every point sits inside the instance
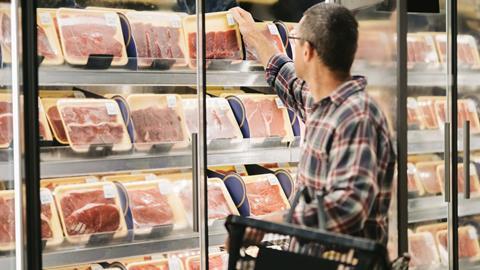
(280, 75)
(351, 186)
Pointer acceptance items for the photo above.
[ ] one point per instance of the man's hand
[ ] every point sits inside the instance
(253, 37)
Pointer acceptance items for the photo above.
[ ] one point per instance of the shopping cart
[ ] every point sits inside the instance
(257, 244)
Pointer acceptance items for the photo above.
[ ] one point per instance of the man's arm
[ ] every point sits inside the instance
(351, 185)
(280, 70)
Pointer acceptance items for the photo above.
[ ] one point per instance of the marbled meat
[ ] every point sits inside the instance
(220, 45)
(149, 208)
(422, 249)
(426, 110)
(467, 241)
(88, 134)
(461, 179)
(45, 217)
(264, 118)
(264, 198)
(87, 115)
(87, 212)
(156, 125)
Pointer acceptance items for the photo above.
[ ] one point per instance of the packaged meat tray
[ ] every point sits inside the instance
(127, 178)
(468, 246)
(466, 111)
(50, 224)
(224, 170)
(432, 228)
(44, 129)
(7, 220)
(163, 264)
(223, 39)
(423, 250)
(157, 36)
(426, 110)
(5, 35)
(54, 119)
(154, 204)
(48, 41)
(413, 115)
(428, 177)
(374, 48)
(221, 123)
(261, 116)
(414, 184)
(220, 204)
(216, 261)
(52, 183)
(91, 32)
(157, 119)
(422, 52)
(90, 209)
(93, 122)
(467, 50)
(474, 183)
(6, 121)
(270, 31)
(265, 195)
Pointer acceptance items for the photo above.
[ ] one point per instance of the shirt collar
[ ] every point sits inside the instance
(348, 88)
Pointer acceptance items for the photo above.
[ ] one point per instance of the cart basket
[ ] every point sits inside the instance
(286, 246)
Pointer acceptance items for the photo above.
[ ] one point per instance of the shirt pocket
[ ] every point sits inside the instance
(314, 165)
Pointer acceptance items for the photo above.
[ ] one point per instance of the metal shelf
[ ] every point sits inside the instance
(434, 208)
(432, 141)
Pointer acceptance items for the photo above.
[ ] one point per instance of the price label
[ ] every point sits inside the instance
(174, 263)
(45, 19)
(109, 191)
(111, 19)
(230, 20)
(111, 108)
(165, 187)
(171, 101)
(176, 23)
(46, 196)
(471, 106)
(240, 169)
(272, 179)
(412, 103)
(472, 233)
(273, 29)
(91, 179)
(279, 102)
(150, 177)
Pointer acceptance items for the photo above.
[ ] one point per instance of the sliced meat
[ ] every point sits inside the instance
(422, 249)
(220, 45)
(104, 133)
(44, 47)
(264, 118)
(217, 204)
(467, 241)
(6, 128)
(87, 115)
(426, 110)
(45, 217)
(157, 125)
(264, 198)
(149, 208)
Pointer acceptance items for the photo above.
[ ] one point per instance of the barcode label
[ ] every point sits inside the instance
(45, 19)
(174, 263)
(240, 169)
(171, 101)
(272, 179)
(230, 20)
(279, 102)
(46, 196)
(111, 19)
(91, 179)
(165, 187)
(109, 191)
(176, 23)
(111, 110)
(273, 29)
(472, 233)
(150, 177)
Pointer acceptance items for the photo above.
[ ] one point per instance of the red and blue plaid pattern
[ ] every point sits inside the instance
(347, 153)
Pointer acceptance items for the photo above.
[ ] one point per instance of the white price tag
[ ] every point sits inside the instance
(279, 102)
(40, 108)
(109, 191)
(46, 196)
(176, 23)
(472, 233)
(171, 101)
(165, 187)
(273, 29)
(91, 179)
(96, 267)
(174, 263)
(230, 20)
(473, 170)
(410, 168)
(111, 19)
(240, 169)
(412, 103)
(150, 177)
(45, 19)
(111, 108)
(272, 179)
(471, 106)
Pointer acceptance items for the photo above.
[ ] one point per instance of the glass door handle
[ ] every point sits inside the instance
(195, 181)
(466, 158)
(447, 162)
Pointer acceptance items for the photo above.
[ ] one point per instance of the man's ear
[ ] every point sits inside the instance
(308, 51)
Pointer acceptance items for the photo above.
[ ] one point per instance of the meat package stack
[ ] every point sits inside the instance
(468, 57)
(48, 41)
(5, 121)
(422, 53)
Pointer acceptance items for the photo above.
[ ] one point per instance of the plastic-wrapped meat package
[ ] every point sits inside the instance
(474, 183)
(47, 38)
(53, 116)
(93, 122)
(6, 121)
(215, 262)
(422, 250)
(150, 265)
(467, 109)
(432, 228)
(468, 246)
(413, 182)
(374, 48)
(7, 221)
(89, 32)
(149, 208)
(427, 175)
(421, 51)
(90, 209)
(468, 56)
(426, 110)
(44, 129)
(265, 195)
(270, 31)
(157, 35)
(50, 224)
(5, 35)
(413, 117)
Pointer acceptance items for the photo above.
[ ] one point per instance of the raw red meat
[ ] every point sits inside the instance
(467, 241)
(413, 118)
(264, 118)
(264, 198)
(45, 216)
(56, 123)
(87, 212)
(427, 115)
(275, 39)
(5, 34)
(427, 174)
(86, 115)
(420, 51)
(220, 45)
(6, 128)
(217, 204)
(155, 125)
(466, 53)
(411, 174)
(373, 47)
(422, 249)
(149, 208)
(149, 267)
(461, 179)
(156, 42)
(44, 47)
(89, 34)
(7, 220)
(219, 124)
(215, 262)
(104, 133)
(5, 107)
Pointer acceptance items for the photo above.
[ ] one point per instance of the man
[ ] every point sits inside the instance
(347, 153)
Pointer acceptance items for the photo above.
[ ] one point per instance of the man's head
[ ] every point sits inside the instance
(327, 35)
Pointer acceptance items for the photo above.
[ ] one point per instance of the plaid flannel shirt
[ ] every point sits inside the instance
(347, 153)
